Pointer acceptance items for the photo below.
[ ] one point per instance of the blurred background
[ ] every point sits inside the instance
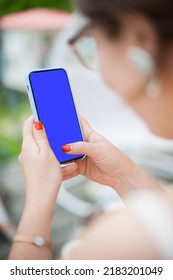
(34, 34)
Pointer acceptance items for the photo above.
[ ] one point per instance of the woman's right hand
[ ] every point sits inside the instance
(105, 164)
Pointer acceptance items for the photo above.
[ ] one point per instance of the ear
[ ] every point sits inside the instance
(141, 32)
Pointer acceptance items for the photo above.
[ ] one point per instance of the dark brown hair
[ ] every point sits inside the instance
(103, 13)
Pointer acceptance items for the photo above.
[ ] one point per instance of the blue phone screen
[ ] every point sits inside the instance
(55, 108)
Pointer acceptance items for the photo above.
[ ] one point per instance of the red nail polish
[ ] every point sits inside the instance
(38, 125)
(66, 148)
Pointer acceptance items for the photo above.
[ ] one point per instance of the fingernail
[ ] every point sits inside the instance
(66, 148)
(38, 125)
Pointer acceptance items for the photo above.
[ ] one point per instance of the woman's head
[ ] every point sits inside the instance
(130, 35)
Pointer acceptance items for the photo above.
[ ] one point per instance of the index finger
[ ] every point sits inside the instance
(28, 138)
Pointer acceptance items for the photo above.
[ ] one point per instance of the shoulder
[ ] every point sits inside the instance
(117, 234)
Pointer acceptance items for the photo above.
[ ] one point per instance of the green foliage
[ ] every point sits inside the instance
(9, 6)
(14, 109)
(9, 148)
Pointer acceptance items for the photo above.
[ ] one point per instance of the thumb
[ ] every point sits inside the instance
(89, 149)
(40, 134)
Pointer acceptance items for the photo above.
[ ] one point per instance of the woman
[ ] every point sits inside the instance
(135, 58)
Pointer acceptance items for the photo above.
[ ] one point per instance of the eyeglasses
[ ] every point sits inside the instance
(86, 50)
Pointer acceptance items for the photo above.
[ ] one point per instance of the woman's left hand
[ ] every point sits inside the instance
(41, 169)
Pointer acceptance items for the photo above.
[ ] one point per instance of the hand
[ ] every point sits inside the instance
(41, 169)
(104, 163)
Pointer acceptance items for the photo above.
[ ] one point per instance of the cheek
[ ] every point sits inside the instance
(120, 74)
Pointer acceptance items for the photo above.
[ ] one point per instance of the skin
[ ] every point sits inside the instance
(103, 163)
(36, 218)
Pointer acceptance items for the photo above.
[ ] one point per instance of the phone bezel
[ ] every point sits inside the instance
(34, 105)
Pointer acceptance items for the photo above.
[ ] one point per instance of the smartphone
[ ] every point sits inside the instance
(52, 103)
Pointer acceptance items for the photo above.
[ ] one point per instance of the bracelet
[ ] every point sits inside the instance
(38, 241)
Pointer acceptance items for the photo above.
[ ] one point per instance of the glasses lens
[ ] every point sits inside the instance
(87, 51)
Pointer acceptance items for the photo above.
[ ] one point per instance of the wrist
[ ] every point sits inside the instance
(125, 180)
(133, 179)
